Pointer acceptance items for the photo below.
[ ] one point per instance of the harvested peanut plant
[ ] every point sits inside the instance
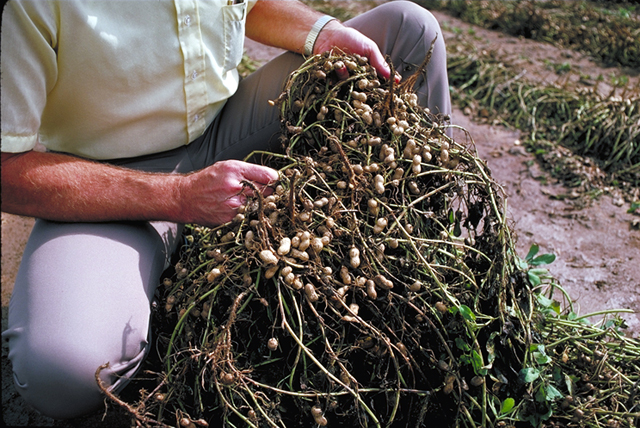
(376, 287)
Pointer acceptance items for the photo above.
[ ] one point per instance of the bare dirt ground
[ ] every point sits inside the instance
(598, 252)
(597, 249)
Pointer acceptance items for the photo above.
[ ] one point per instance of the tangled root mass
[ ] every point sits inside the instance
(375, 287)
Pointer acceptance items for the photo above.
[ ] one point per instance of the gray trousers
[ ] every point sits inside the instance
(83, 292)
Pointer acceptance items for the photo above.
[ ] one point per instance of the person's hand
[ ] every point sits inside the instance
(212, 196)
(350, 40)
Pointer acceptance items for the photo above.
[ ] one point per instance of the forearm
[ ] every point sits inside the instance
(64, 188)
(286, 24)
(282, 24)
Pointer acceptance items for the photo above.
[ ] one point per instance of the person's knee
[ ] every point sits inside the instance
(59, 379)
(56, 386)
(81, 299)
(404, 31)
(411, 19)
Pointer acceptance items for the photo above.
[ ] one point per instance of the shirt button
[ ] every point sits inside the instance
(196, 117)
(194, 74)
(187, 20)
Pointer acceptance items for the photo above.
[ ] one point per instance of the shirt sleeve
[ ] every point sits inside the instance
(250, 4)
(28, 67)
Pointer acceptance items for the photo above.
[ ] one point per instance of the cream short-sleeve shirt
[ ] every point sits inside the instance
(106, 79)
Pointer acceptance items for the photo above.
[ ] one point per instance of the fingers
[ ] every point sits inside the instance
(236, 201)
(335, 34)
(247, 178)
(377, 61)
(342, 72)
(212, 196)
(257, 177)
(258, 174)
(249, 188)
(232, 175)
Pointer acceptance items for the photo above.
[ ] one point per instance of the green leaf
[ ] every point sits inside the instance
(553, 393)
(544, 259)
(533, 250)
(534, 279)
(467, 313)
(544, 301)
(540, 271)
(528, 374)
(539, 354)
(507, 405)
(541, 394)
(541, 358)
(478, 364)
(457, 230)
(535, 275)
(569, 381)
(462, 345)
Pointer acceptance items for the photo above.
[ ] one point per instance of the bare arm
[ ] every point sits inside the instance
(285, 24)
(65, 188)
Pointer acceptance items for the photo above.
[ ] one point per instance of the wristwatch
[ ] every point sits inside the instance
(313, 34)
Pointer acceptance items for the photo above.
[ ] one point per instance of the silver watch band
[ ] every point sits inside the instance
(313, 34)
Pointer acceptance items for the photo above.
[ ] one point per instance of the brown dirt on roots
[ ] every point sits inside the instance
(597, 246)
